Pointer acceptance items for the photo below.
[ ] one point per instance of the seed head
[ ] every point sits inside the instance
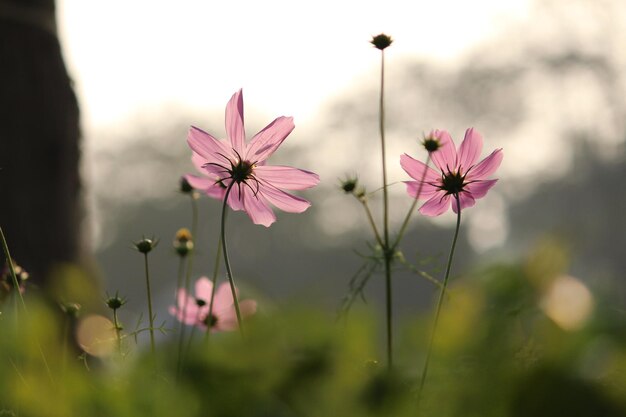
(349, 185)
(381, 41)
(115, 302)
(71, 309)
(145, 245)
(431, 143)
(185, 187)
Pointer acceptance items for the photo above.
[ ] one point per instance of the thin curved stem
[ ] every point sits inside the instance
(405, 223)
(226, 260)
(216, 270)
(118, 329)
(151, 317)
(7, 255)
(442, 292)
(388, 254)
(372, 223)
(389, 310)
(16, 284)
(382, 143)
(190, 258)
(181, 329)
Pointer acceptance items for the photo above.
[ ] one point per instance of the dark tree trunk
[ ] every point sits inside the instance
(39, 140)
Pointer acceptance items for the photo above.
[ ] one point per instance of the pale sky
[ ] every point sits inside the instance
(290, 57)
(129, 58)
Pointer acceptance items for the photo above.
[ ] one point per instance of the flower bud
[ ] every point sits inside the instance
(185, 187)
(349, 185)
(115, 302)
(71, 309)
(431, 143)
(145, 245)
(381, 41)
(183, 242)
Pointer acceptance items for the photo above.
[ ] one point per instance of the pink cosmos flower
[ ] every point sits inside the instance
(256, 185)
(459, 175)
(194, 311)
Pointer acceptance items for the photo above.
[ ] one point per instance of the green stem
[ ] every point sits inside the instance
(405, 223)
(371, 220)
(190, 259)
(151, 318)
(7, 255)
(179, 280)
(388, 254)
(382, 143)
(442, 292)
(118, 329)
(181, 330)
(226, 261)
(16, 284)
(216, 269)
(389, 310)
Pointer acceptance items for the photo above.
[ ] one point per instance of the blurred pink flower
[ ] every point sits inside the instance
(460, 174)
(194, 311)
(256, 185)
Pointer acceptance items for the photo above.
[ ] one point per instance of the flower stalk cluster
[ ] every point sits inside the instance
(461, 179)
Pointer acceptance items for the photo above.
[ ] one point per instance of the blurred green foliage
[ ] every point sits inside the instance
(499, 351)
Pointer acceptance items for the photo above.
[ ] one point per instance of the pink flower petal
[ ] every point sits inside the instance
(284, 201)
(470, 149)
(216, 171)
(234, 122)
(206, 145)
(198, 160)
(223, 297)
(257, 209)
(426, 191)
(437, 205)
(465, 199)
(264, 143)
(227, 319)
(287, 177)
(181, 297)
(203, 289)
(445, 157)
(416, 168)
(247, 308)
(486, 167)
(479, 188)
(186, 309)
(217, 192)
(235, 201)
(199, 183)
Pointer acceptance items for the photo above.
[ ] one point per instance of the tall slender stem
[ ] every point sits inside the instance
(216, 269)
(118, 329)
(181, 335)
(151, 318)
(16, 284)
(371, 220)
(442, 292)
(7, 255)
(181, 329)
(388, 254)
(190, 259)
(226, 261)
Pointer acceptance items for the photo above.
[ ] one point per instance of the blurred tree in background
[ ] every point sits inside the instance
(39, 136)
